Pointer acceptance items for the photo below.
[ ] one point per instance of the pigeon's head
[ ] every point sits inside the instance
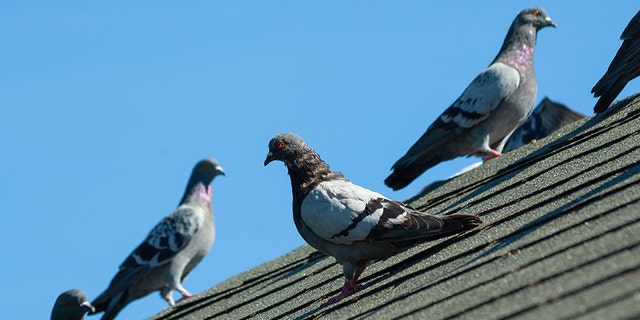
(537, 17)
(207, 169)
(71, 304)
(285, 147)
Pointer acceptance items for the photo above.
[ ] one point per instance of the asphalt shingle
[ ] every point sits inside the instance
(560, 240)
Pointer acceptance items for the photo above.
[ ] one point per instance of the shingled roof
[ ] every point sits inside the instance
(561, 240)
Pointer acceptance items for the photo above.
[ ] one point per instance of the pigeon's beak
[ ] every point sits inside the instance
(268, 159)
(550, 22)
(221, 171)
(87, 307)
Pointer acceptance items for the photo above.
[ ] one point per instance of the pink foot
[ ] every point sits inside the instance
(185, 295)
(348, 289)
(491, 154)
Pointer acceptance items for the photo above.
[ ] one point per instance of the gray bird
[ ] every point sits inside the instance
(71, 305)
(546, 118)
(355, 225)
(623, 68)
(171, 250)
(481, 120)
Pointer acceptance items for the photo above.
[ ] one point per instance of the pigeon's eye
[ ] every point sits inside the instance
(281, 145)
(206, 165)
(535, 13)
(67, 302)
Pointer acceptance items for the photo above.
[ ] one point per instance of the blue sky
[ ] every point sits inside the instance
(106, 106)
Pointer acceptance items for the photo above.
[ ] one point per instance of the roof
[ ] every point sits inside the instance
(561, 239)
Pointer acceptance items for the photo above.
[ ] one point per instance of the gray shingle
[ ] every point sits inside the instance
(561, 240)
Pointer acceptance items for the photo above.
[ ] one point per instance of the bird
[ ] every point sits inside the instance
(71, 305)
(170, 251)
(354, 225)
(547, 117)
(494, 104)
(624, 67)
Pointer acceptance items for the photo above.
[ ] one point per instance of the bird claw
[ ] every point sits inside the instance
(347, 290)
(491, 154)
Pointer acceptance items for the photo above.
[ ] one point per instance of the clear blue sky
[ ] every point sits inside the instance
(106, 106)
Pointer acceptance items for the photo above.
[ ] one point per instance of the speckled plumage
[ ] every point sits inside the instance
(481, 120)
(171, 250)
(71, 305)
(624, 67)
(355, 225)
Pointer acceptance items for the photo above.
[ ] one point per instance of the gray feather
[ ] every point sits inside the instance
(170, 251)
(546, 118)
(494, 104)
(71, 305)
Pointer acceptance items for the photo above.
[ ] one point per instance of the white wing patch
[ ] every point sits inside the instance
(332, 210)
(483, 95)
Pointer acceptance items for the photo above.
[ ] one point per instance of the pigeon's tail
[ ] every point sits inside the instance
(607, 95)
(404, 173)
(111, 307)
(460, 222)
(624, 67)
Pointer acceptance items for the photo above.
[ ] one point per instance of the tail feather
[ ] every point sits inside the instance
(608, 95)
(405, 173)
(111, 306)
(461, 222)
(453, 224)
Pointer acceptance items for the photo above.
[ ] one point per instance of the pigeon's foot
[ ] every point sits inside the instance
(349, 288)
(491, 154)
(185, 294)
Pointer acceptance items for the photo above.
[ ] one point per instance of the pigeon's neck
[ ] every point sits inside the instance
(197, 192)
(306, 171)
(517, 49)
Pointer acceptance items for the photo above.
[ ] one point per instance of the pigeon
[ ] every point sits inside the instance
(71, 305)
(481, 120)
(355, 225)
(546, 118)
(623, 68)
(171, 250)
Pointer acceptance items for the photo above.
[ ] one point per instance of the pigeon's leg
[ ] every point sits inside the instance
(350, 283)
(491, 154)
(185, 294)
(167, 294)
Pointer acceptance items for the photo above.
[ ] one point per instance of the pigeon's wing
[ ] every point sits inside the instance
(164, 241)
(481, 97)
(624, 67)
(546, 118)
(336, 211)
(341, 212)
(632, 31)
(478, 101)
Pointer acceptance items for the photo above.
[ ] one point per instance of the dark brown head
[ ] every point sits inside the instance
(286, 147)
